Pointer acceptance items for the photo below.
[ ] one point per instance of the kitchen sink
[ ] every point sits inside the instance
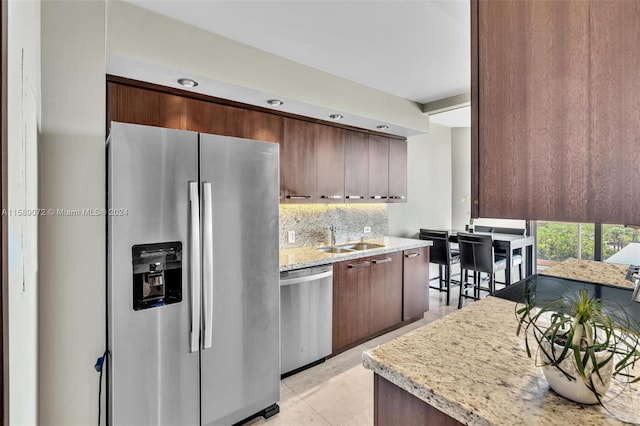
(335, 249)
(348, 248)
(361, 246)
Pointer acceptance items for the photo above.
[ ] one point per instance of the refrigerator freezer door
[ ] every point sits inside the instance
(240, 373)
(154, 378)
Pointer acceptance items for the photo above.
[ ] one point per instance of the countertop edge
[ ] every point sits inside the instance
(424, 393)
(396, 244)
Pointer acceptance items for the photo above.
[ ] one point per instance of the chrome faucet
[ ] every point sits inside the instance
(332, 229)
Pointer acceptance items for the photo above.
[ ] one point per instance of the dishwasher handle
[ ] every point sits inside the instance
(299, 280)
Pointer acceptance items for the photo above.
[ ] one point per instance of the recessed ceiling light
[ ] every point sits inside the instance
(275, 102)
(187, 82)
(382, 127)
(336, 116)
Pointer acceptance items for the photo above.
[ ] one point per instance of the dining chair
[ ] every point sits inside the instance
(444, 256)
(477, 255)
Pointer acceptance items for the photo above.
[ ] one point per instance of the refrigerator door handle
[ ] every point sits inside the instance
(207, 264)
(194, 271)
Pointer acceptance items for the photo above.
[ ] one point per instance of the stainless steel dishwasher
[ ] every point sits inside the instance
(306, 299)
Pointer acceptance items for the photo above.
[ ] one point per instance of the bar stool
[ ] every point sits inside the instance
(476, 254)
(442, 255)
(516, 258)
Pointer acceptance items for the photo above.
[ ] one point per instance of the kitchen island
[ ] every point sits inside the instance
(470, 368)
(590, 271)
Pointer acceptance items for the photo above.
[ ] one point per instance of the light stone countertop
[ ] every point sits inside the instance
(472, 366)
(305, 257)
(591, 271)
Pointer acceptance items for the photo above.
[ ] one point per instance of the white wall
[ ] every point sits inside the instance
(428, 185)
(460, 176)
(461, 184)
(23, 121)
(72, 176)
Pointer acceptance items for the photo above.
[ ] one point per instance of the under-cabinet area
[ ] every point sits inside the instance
(375, 289)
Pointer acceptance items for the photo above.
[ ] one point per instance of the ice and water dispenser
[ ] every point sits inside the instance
(157, 274)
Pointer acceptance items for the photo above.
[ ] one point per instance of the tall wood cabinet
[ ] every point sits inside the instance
(555, 115)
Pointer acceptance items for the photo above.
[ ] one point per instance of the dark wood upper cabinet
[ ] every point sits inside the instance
(318, 162)
(378, 169)
(141, 106)
(397, 171)
(270, 128)
(330, 165)
(555, 117)
(208, 117)
(299, 161)
(615, 111)
(356, 167)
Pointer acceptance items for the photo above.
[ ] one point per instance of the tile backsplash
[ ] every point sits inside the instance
(311, 223)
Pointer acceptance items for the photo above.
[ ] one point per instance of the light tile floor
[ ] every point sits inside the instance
(339, 392)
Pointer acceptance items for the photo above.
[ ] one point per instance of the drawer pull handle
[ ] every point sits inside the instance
(397, 197)
(331, 197)
(358, 265)
(414, 254)
(354, 197)
(378, 197)
(298, 197)
(383, 260)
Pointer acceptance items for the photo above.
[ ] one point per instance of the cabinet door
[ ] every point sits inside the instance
(397, 171)
(386, 291)
(299, 161)
(129, 104)
(330, 164)
(615, 110)
(356, 164)
(532, 158)
(270, 128)
(216, 119)
(378, 168)
(416, 282)
(351, 302)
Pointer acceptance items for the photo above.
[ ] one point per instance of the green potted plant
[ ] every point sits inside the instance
(581, 342)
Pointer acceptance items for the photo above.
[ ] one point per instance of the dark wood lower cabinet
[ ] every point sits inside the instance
(416, 283)
(369, 295)
(351, 302)
(394, 406)
(386, 291)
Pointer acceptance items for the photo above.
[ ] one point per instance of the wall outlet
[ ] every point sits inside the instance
(292, 237)
(367, 230)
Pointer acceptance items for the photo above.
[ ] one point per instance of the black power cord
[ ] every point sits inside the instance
(98, 366)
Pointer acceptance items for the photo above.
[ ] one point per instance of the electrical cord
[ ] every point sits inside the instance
(98, 366)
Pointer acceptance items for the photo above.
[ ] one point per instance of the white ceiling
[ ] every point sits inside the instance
(417, 49)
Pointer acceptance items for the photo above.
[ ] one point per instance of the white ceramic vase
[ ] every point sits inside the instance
(575, 390)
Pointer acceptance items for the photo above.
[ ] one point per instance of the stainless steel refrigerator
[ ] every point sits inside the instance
(193, 291)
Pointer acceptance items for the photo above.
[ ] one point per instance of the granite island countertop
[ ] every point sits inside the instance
(305, 257)
(590, 271)
(472, 366)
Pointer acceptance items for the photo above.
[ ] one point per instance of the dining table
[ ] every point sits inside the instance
(509, 243)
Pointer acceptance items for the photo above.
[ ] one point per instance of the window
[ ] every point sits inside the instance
(558, 241)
